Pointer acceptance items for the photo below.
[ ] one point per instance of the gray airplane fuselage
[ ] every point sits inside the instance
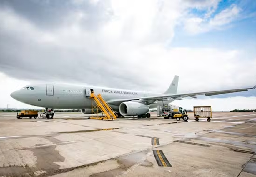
(60, 96)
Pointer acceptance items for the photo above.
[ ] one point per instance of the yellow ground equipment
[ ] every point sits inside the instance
(182, 114)
(27, 113)
(203, 112)
(103, 106)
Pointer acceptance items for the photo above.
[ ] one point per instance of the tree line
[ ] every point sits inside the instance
(243, 110)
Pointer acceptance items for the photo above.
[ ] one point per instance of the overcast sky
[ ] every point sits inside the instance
(131, 44)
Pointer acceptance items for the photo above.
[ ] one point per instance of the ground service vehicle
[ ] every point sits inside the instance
(181, 115)
(203, 112)
(27, 113)
(167, 110)
(172, 111)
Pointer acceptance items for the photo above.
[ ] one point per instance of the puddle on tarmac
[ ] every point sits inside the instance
(190, 135)
(126, 162)
(15, 171)
(95, 130)
(231, 133)
(235, 143)
(254, 119)
(47, 157)
(250, 167)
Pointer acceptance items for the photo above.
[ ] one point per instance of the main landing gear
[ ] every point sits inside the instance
(147, 115)
(119, 115)
(49, 113)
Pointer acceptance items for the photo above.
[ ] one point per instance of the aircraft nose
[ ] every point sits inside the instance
(14, 95)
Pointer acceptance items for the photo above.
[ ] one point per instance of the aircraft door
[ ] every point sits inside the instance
(49, 90)
(87, 92)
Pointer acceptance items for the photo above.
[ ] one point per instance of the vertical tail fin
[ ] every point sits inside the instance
(174, 86)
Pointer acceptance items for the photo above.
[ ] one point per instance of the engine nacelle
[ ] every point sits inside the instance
(87, 111)
(131, 108)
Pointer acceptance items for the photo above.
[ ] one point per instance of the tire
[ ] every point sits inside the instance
(166, 117)
(139, 116)
(18, 117)
(208, 119)
(178, 119)
(118, 115)
(47, 116)
(197, 119)
(185, 118)
(35, 117)
(148, 115)
(170, 116)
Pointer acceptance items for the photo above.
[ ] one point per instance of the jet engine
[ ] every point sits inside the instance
(131, 108)
(87, 111)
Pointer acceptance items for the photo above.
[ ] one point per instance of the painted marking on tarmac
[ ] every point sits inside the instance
(95, 130)
(155, 141)
(236, 122)
(6, 137)
(161, 160)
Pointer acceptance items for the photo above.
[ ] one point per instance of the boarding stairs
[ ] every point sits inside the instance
(104, 107)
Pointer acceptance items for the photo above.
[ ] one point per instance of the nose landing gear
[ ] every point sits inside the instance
(49, 113)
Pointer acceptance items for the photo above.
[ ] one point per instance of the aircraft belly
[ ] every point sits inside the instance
(62, 101)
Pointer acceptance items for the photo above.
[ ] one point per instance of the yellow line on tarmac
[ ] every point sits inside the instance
(161, 158)
(155, 141)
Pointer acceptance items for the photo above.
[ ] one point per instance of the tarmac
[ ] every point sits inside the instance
(73, 145)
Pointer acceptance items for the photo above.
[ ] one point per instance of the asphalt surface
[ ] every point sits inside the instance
(72, 145)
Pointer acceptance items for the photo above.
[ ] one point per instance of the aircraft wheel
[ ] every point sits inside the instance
(197, 119)
(208, 119)
(185, 118)
(148, 115)
(118, 115)
(47, 116)
(166, 117)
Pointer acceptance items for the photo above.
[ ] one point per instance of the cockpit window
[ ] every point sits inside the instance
(29, 88)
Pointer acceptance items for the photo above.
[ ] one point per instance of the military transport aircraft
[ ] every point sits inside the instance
(124, 102)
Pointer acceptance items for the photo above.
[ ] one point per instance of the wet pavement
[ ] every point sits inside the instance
(73, 145)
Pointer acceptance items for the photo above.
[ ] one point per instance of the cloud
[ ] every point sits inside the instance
(8, 85)
(49, 15)
(123, 44)
(195, 24)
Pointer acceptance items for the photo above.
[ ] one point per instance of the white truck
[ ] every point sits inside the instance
(167, 110)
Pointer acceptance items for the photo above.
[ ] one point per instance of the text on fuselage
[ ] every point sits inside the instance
(119, 92)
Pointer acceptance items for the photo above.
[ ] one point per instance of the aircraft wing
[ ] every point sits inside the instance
(152, 99)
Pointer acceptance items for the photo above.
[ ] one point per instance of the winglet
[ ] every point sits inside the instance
(173, 87)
